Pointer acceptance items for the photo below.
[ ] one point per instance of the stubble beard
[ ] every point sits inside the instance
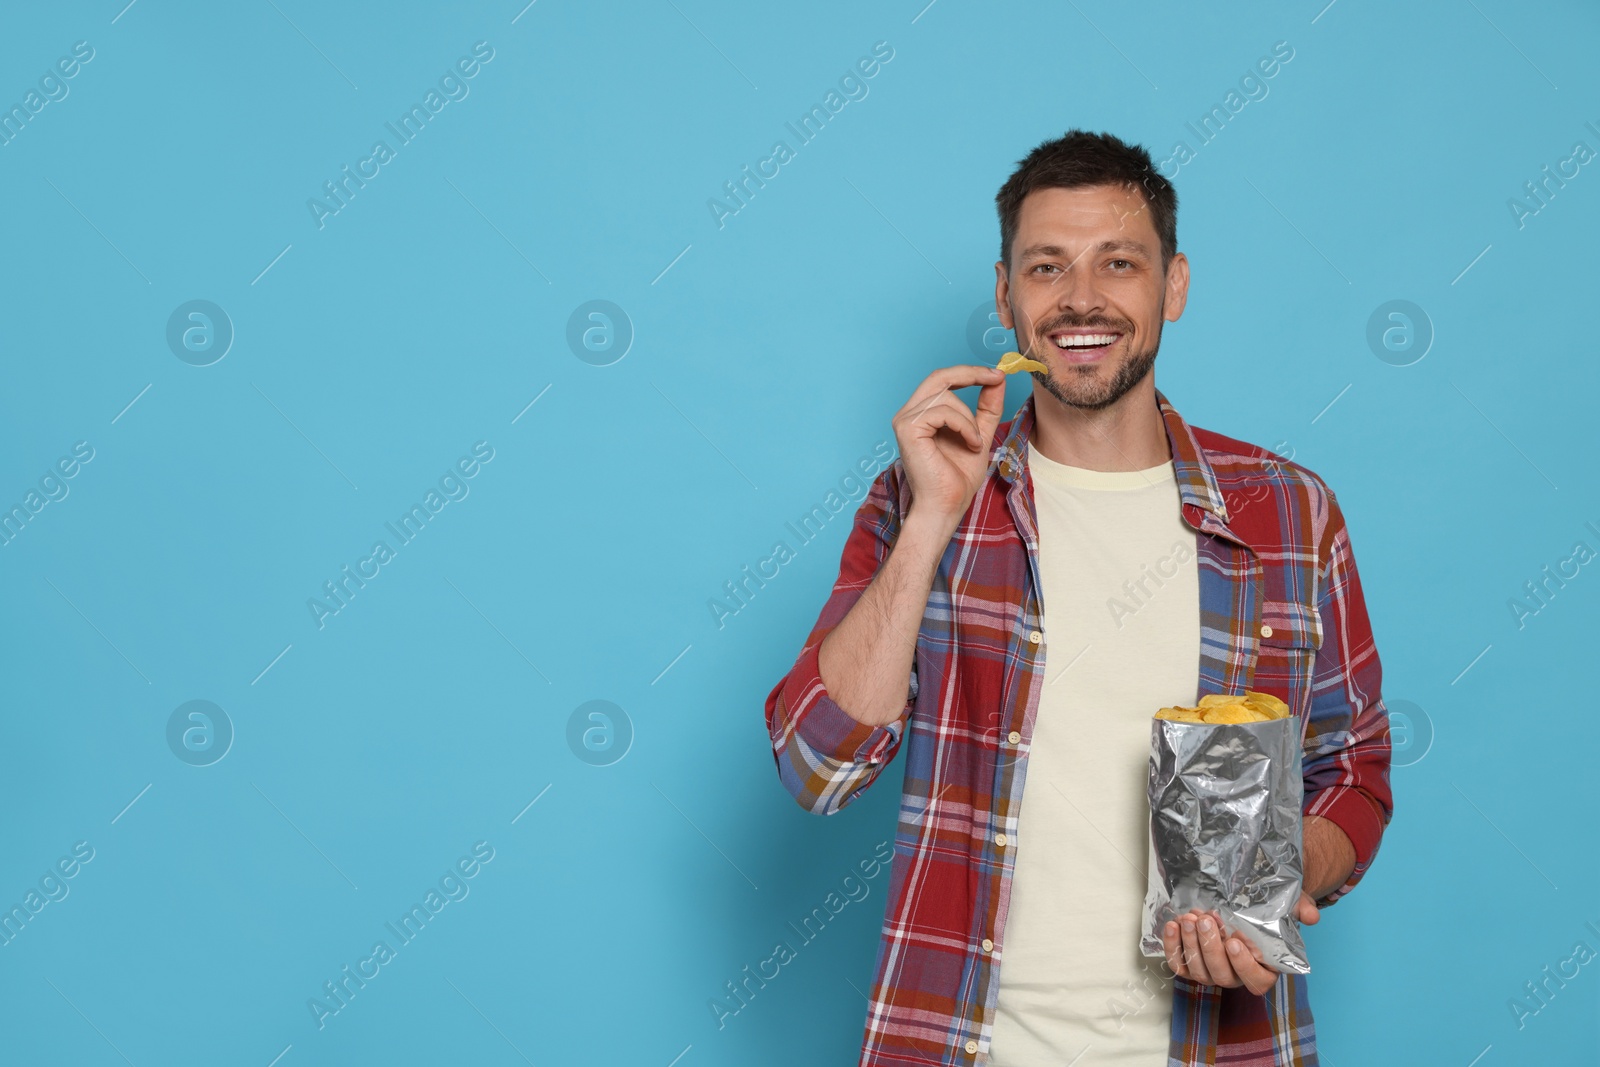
(1082, 388)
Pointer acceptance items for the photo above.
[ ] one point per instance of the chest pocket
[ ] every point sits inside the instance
(1287, 641)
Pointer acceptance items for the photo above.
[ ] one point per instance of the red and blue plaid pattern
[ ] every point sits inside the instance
(1281, 611)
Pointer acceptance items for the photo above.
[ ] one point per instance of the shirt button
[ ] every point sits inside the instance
(1000, 839)
(1035, 636)
(972, 1047)
(1266, 631)
(988, 946)
(1014, 737)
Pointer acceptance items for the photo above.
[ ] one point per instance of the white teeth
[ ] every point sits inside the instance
(1085, 340)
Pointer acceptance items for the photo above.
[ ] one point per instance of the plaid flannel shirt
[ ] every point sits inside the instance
(1281, 611)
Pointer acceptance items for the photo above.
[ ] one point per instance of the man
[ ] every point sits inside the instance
(1016, 601)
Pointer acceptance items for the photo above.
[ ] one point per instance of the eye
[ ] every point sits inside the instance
(1114, 262)
(1042, 266)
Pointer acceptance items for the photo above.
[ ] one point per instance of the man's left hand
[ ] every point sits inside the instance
(1200, 948)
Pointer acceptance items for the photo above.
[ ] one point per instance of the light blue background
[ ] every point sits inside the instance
(769, 356)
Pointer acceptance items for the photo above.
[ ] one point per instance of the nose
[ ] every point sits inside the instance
(1078, 291)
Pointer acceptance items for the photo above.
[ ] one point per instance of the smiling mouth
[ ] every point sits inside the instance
(1084, 346)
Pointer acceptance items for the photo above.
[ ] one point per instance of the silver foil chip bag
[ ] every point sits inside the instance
(1225, 832)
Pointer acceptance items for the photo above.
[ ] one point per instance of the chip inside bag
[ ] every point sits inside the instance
(1225, 792)
(1248, 707)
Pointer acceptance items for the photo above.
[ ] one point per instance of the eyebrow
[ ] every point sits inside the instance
(1110, 245)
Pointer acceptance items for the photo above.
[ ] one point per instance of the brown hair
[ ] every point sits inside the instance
(1079, 158)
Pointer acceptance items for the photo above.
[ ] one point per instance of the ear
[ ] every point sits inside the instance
(1002, 294)
(1177, 287)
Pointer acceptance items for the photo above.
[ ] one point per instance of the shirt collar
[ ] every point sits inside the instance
(1197, 483)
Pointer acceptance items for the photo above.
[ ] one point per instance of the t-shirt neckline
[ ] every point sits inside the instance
(1085, 478)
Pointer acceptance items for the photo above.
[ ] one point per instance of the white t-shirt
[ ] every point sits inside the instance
(1121, 594)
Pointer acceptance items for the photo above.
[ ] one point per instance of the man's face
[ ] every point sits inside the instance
(1086, 293)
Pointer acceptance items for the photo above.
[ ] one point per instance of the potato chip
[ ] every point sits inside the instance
(1249, 706)
(1179, 715)
(1266, 702)
(1012, 362)
(1233, 713)
(1267, 714)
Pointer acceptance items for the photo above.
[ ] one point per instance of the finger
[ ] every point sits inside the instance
(1306, 910)
(1247, 965)
(922, 401)
(950, 412)
(947, 378)
(1215, 953)
(1249, 945)
(1192, 958)
(1172, 944)
(991, 406)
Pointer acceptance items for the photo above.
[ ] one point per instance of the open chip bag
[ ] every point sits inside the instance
(1225, 793)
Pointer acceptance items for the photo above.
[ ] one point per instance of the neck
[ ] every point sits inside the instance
(1129, 435)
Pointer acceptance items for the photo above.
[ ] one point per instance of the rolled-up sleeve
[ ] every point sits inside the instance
(826, 758)
(1346, 755)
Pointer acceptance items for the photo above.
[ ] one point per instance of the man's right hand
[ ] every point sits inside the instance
(944, 446)
(865, 661)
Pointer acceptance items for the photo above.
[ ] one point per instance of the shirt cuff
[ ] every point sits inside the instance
(826, 728)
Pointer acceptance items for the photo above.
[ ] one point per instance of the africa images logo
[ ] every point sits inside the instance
(853, 86)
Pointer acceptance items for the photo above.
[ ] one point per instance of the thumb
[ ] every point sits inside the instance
(1306, 910)
(991, 405)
